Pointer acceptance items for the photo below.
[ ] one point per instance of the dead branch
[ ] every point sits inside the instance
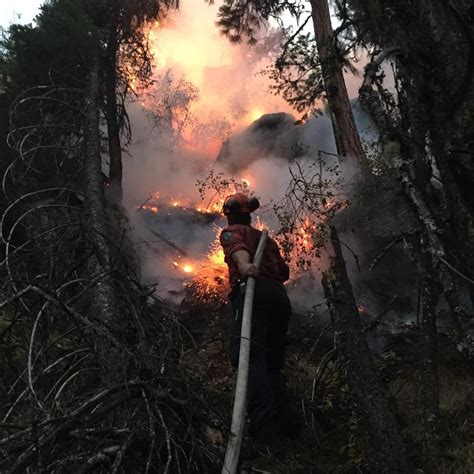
(384, 251)
(373, 324)
(320, 371)
(58, 389)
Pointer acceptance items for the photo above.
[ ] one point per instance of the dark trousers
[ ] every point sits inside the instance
(267, 393)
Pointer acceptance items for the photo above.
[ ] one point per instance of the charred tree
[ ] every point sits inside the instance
(113, 128)
(104, 303)
(347, 138)
(379, 430)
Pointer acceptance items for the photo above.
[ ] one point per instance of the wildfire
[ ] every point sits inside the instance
(206, 277)
(188, 269)
(155, 202)
(148, 207)
(185, 43)
(209, 281)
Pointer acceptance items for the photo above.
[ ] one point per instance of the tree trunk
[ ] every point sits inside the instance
(430, 367)
(432, 257)
(347, 138)
(103, 300)
(384, 446)
(113, 129)
(435, 258)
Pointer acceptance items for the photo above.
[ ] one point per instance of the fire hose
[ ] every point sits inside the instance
(238, 415)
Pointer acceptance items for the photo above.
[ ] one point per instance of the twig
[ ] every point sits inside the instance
(168, 242)
(377, 320)
(321, 334)
(383, 252)
(152, 432)
(168, 443)
(30, 354)
(356, 258)
(144, 202)
(320, 371)
(119, 456)
(455, 270)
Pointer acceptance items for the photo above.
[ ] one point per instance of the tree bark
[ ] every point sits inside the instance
(414, 171)
(429, 352)
(379, 430)
(113, 129)
(348, 143)
(103, 301)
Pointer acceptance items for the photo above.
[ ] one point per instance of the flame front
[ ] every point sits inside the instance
(205, 278)
(209, 282)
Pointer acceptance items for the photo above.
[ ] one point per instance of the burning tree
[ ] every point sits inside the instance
(169, 104)
(313, 196)
(125, 65)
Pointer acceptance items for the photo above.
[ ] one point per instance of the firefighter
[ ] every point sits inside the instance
(267, 397)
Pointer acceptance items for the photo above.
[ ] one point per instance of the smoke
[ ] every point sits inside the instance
(227, 75)
(150, 168)
(188, 47)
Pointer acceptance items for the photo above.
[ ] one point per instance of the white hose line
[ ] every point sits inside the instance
(232, 454)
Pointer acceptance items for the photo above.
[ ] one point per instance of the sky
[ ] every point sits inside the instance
(10, 9)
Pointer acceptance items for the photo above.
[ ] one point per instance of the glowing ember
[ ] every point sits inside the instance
(187, 268)
(259, 224)
(146, 207)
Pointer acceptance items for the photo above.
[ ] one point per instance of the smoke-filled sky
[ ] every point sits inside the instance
(230, 87)
(227, 75)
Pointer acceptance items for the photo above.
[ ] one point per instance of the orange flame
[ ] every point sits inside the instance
(206, 278)
(209, 282)
(188, 268)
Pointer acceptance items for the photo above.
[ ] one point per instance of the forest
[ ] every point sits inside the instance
(124, 124)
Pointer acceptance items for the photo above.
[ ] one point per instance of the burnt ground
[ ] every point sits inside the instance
(329, 441)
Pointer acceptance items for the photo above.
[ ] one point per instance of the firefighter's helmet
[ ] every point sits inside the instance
(239, 203)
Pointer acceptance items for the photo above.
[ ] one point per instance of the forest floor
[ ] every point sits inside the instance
(329, 442)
